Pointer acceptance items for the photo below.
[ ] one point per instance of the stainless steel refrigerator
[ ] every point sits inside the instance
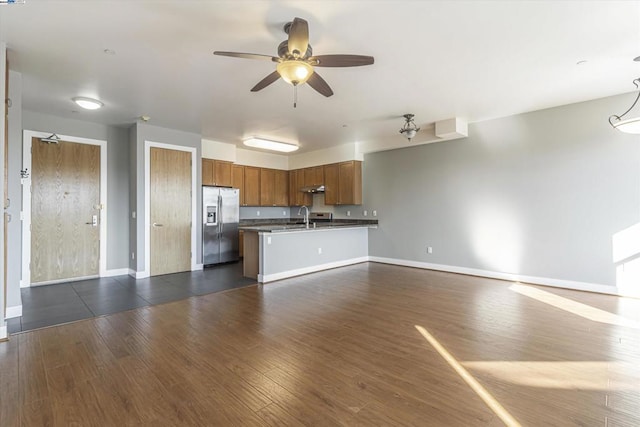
(220, 218)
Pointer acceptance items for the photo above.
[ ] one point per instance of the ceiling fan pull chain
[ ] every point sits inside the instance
(295, 96)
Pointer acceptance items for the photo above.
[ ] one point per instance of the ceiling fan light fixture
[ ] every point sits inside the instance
(409, 129)
(294, 72)
(266, 144)
(87, 103)
(629, 125)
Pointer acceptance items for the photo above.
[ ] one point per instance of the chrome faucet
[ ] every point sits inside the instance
(306, 215)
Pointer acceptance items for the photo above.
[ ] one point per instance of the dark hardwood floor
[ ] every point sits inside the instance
(67, 302)
(369, 344)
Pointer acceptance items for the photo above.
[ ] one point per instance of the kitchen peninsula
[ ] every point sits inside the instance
(279, 250)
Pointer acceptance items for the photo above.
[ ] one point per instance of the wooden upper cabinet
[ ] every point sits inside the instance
(267, 187)
(296, 182)
(274, 187)
(281, 188)
(222, 173)
(331, 189)
(237, 180)
(314, 176)
(216, 172)
(251, 186)
(343, 183)
(207, 172)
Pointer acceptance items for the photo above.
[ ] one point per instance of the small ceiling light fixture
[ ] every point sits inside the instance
(265, 144)
(87, 103)
(51, 139)
(409, 129)
(629, 125)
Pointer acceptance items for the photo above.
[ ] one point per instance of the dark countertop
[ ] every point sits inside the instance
(287, 224)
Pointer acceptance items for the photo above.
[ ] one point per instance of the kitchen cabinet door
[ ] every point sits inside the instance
(237, 180)
(296, 182)
(331, 190)
(267, 187)
(251, 186)
(222, 173)
(207, 172)
(281, 188)
(313, 176)
(350, 183)
(343, 183)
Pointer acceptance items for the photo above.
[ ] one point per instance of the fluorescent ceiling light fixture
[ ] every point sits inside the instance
(87, 103)
(265, 144)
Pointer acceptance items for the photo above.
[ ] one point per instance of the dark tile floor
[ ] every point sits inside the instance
(65, 302)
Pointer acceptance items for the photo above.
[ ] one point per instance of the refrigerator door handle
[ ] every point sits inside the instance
(221, 221)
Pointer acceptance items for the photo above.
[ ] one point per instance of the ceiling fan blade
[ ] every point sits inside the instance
(266, 81)
(247, 56)
(341, 60)
(318, 83)
(298, 37)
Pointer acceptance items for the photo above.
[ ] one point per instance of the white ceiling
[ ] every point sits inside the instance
(437, 59)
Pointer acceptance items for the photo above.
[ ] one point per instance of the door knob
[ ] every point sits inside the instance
(155, 224)
(94, 221)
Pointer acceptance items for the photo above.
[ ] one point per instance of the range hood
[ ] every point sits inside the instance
(313, 189)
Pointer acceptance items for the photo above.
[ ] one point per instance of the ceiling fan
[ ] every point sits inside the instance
(296, 61)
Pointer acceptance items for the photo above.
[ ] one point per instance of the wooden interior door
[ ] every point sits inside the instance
(65, 211)
(170, 211)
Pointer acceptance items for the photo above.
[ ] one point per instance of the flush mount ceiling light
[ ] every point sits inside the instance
(265, 144)
(87, 103)
(409, 129)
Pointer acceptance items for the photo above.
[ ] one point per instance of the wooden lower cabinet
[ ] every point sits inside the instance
(241, 243)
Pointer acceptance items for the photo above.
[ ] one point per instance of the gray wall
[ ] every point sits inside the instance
(117, 174)
(14, 230)
(538, 194)
(145, 132)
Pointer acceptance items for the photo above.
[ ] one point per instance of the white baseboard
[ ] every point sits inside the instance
(544, 281)
(198, 267)
(13, 311)
(3, 333)
(266, 278)
(116, 272)
(139, 274)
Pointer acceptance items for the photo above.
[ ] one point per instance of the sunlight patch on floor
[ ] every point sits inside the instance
(574, 307)
(486, 397)
(583, 375)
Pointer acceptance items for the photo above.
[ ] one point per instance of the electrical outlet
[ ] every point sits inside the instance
(375, 213)
(133, 255)
(133, 214)
(348, 213)
(364, 213)
(429, 250)
(257, 213)
(319, 251)
(268, 240)
(284, 213)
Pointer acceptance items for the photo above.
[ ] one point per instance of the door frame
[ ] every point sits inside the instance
(147, 201)
(27, 137)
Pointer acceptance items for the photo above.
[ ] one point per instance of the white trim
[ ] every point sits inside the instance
(116, 272)
(306, 270)
(14, 311)
(199, 267)
(147, 201)
(3, 333)
(544, 281)
(27, 136)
